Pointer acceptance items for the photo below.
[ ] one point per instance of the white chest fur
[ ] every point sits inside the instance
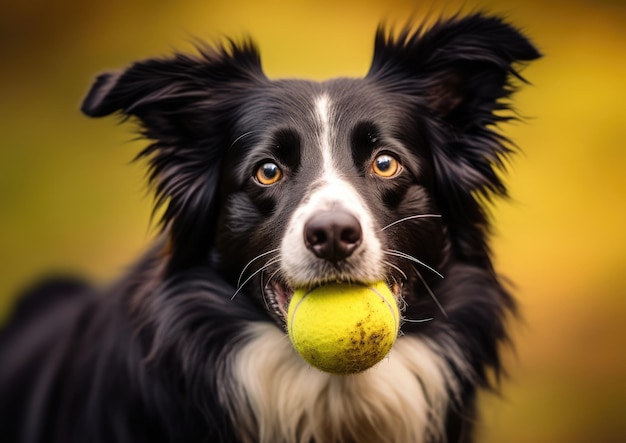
(275, 397)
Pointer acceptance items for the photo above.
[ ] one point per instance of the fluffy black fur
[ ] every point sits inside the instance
(144, 359)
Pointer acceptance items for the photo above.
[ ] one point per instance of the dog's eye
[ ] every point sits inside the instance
(268, 174)
(385, 166)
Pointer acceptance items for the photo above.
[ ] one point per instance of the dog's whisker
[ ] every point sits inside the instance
(430, 291)
(402, 304)
(397, 268)
(252, 261)
(267, 306)
(401, 254)
(240, 137)
(271, 277)
(411, 217)
(395, 280)
(423, 320)
(265, 266)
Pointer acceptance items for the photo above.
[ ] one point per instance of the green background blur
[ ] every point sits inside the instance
(71, 200)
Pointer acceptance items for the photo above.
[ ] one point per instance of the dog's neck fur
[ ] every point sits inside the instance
(275, 397)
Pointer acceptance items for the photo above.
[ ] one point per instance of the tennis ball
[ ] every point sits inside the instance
(343, 328)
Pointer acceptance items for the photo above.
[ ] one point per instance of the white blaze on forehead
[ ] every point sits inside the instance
(330, 191)
(323, 117)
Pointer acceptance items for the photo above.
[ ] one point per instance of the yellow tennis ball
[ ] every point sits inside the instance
(343, 328)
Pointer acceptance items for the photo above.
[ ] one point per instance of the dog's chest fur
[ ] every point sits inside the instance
(275, 397)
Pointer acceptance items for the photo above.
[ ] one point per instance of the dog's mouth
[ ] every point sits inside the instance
(278, 295)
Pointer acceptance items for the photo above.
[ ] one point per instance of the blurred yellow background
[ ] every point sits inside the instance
(71, 200)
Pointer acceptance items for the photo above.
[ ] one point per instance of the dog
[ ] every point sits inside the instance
(270, 185)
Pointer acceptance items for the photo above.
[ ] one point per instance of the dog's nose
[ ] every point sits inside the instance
(332, 235)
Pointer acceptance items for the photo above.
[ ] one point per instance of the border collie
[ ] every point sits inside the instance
(268, 185)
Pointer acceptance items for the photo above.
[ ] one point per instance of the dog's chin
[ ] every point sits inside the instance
(278, 295)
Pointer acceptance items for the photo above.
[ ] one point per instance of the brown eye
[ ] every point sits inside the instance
(385, 166)
(268, 174)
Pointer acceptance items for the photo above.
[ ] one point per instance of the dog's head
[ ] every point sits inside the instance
(290, 183)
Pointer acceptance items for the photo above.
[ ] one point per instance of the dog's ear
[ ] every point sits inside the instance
(458, 66)
(166, 94)
(185, 105)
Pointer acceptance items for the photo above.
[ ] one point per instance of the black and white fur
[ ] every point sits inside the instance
(190, 346)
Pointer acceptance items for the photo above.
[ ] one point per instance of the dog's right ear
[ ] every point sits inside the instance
(99, 102)
(185, 105)
(166, 93)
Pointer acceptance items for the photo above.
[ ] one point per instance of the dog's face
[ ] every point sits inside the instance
(283, 184)
(328, 182)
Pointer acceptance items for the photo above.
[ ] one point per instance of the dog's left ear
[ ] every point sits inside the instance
(185, 105)
(459, 67)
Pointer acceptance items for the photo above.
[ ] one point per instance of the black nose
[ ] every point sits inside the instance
(332, 235)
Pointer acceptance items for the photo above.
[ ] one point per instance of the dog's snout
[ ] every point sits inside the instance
(332, 235)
